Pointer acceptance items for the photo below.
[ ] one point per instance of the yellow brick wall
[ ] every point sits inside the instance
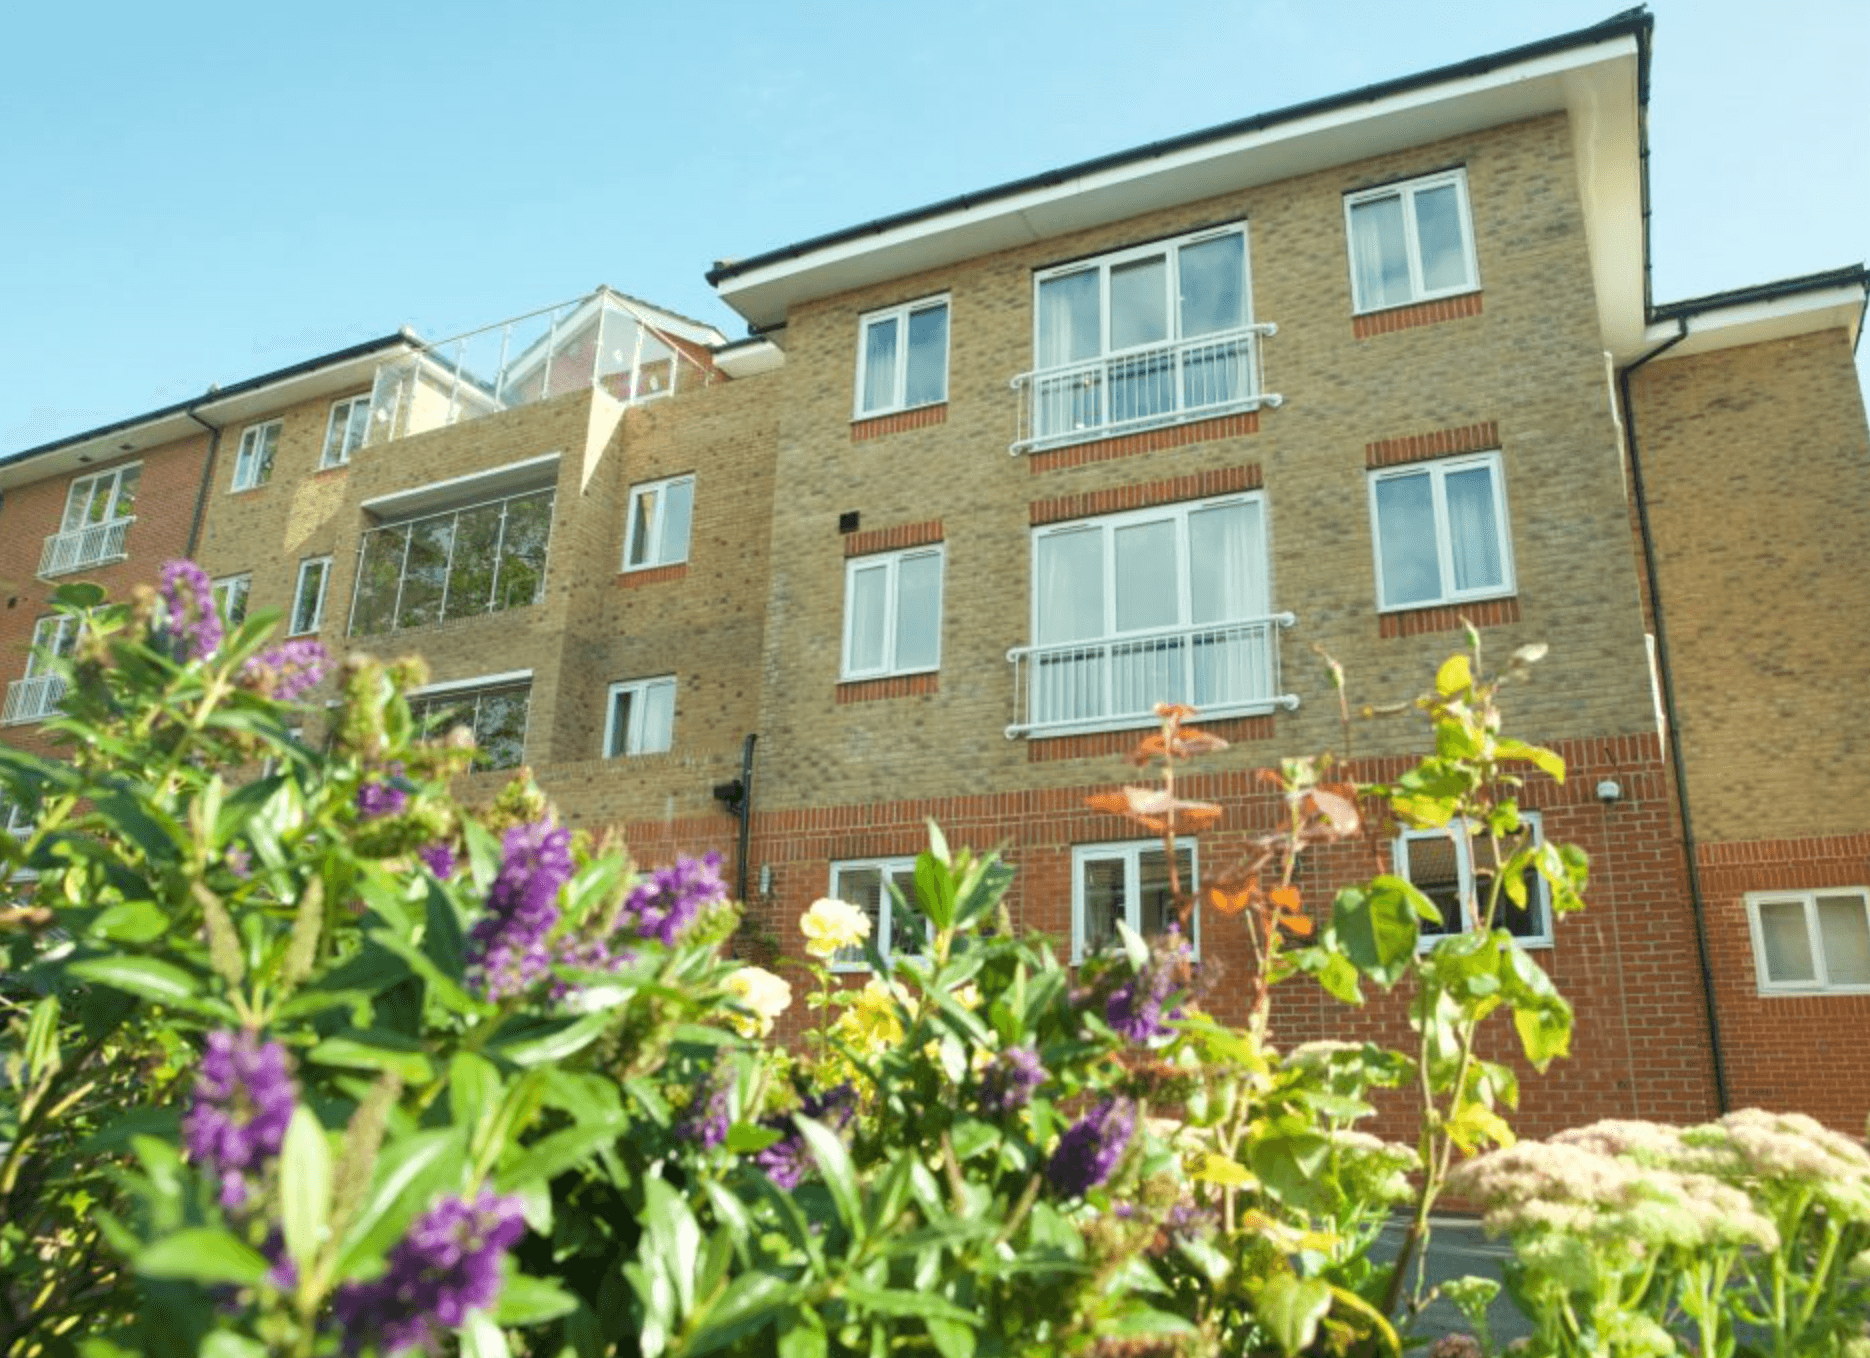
(1529, 363)
(1758, 475)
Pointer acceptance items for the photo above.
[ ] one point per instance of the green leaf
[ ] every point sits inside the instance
(535, 1044)
(748, 1138)
(750, 1301)
(1377, 927)
(834, 1164)
(407, 1174)
(935, 888)
(891, 1301)
(130, 922)
(1290, 1308)
(532, 1301)
(204, 1255)
(442, 986)
(473, 1090)
(482, 1338)
(305, 1188)
(545, 1160)
(1455, 675)
(952, 1339)
(375, 1049)
(147, 977)
(1546, 761)
(803, 1337)
(442, 940)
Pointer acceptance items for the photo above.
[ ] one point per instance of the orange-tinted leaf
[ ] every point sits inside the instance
(1229, 902)
(1176, 712)
(1155, 808)
(1299, 926)
(1284, 898)
(1338, 810)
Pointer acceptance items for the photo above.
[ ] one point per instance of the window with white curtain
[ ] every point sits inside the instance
(902, 357)
(641, 718)
(1155, 605)
(1805, 941)
(230, 597)
(1411, 242)
(892, 613)
(1440, 530)
(253, 463)
(308, 596)
(660, 515)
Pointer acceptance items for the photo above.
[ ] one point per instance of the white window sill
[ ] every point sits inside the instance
(1424, 606)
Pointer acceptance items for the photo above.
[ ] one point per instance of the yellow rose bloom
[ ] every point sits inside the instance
(833, 924)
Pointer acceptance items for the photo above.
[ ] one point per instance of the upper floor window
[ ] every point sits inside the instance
(641, 718)
(98, 512)
(230, 597)
(495, 710)
(1145, 336)
(1156, 605)
(1127, 882)
(308, 596)
(660, 515)
(345, 430)
(1806, 941)
(902, 357)
(873, 885)
(1442, 865)
(253, 464)
(1411, 242)
(36, 696)
(1440, 532)
(892, 613)
(484, 558)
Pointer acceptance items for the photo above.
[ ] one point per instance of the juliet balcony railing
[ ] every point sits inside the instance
(599, 340)
(1193, 379)
(1102, 684)
(33, 698)
(92, 545)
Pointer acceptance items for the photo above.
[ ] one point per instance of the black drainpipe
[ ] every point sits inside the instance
(1666, 676)
(207, 483)
(737, 797)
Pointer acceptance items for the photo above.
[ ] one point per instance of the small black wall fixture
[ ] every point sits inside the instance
(737, 797)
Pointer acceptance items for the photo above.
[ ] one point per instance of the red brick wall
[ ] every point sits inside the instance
(1803, 1053)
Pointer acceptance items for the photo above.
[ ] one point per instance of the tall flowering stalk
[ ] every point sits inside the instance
(243, 1102)
(191, 616)
(507, 950)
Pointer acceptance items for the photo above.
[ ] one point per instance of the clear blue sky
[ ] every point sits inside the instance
(201, 191)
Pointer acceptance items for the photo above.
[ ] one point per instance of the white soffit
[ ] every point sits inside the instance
(1596, 83)
(535, 473)
(750, 360)
(1729, 327)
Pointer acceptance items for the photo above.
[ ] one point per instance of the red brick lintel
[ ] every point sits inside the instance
(1472, 438)
(1148, 494)
(1448, 617)
(655, 575)
(1421, 313)
(918, 418)
(1147, 441)
(891, 539)
(903, 686)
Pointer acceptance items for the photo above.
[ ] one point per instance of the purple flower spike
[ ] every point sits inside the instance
(439, 858)
(789, 1160)
(446, 1266)
(244, 1098)
(663, 905)
(710, 1117)
(288, 671)
(1091, 1148)
(375, 800)
(188, 596)
(1008, 1084)
(1134, 1010)
(507, 953)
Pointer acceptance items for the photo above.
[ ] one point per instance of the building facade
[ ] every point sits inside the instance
(993, 477)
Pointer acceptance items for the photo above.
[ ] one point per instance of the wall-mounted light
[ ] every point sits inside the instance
(766, 879)
(1609, 790)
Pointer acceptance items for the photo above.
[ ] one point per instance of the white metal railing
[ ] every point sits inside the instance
(91, 545)
(1143, 388)
(33, 698)
(1221, 668)
(599, 340)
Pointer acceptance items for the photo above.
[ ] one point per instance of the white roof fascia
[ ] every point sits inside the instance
(750, 360)
(1730, 327)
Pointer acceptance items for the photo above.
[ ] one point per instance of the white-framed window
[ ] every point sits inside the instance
(1441, 865)
(892, 613)
(902, 357)
(1411, 242)
(1806, 941)
(1154, 605)
(53, 637)
(100, 498)
(661, 513)
(494, 708)
(1128, 882)
(230, 598)
(640, 718)
(485, 558)
(1440, 531)
(345, 430)
(896, 929)
(308, 596)
(36, 696)
(253, 464)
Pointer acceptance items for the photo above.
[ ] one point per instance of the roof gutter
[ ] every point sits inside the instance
(1665, 674)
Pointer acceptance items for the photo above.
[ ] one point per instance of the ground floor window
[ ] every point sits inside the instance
(1805, 941)
(1450, 868)
(897, 927)
(1127, 882)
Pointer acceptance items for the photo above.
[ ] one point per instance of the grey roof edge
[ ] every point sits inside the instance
(214, 394)
(1637, 23)
(1850, 275)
